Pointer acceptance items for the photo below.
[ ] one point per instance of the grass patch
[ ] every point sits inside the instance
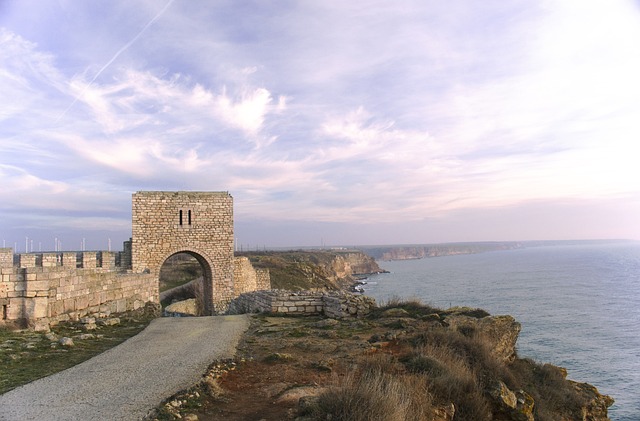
(413, 307)
(550, 390)
(178, 270)
(26, 356)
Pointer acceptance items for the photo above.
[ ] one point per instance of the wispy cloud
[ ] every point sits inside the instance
(334, 112)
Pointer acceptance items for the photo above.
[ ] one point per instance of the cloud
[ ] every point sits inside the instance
(332, 112)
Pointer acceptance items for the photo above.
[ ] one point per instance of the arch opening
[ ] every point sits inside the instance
(185, 284)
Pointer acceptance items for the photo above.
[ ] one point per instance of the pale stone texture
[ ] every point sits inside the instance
(38, 289)
(336, 305)
(197, 223)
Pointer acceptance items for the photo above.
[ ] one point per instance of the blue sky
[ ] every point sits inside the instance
(330, 122)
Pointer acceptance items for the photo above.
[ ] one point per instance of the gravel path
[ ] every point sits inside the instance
(126, 382)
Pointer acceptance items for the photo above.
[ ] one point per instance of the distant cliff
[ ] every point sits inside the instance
(407, 252)
(318, 269)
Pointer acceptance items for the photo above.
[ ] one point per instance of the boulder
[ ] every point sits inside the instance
(65, 341)
(516, 406)
(596, 407)
(182, 308)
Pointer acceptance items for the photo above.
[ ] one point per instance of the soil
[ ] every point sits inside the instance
(280, 360)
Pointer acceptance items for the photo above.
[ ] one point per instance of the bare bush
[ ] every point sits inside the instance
(370, 393)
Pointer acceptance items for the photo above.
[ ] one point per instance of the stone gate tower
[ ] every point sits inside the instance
(197, 223)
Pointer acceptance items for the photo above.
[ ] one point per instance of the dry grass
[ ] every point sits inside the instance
(374, 392)
(550, 390)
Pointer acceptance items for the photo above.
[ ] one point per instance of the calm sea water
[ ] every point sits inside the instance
(579, 306)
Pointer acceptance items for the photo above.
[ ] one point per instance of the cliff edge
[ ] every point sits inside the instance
(312, 270)
(404, 361)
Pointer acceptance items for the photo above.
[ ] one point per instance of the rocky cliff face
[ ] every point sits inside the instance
(436, 250)
(534, 391)
(321, 269)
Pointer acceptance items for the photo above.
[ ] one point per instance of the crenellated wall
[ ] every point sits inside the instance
(45, 288)
(37, 289)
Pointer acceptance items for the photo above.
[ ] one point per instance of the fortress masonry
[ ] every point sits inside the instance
(37, 289)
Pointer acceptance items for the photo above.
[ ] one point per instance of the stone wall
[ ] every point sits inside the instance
(197, 223)
(246, 278)
(332, 304)
(51, 287)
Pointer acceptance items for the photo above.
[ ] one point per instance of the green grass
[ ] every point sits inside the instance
(178, 270)
(26, 356)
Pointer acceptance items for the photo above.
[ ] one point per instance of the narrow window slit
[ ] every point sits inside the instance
(180, 216)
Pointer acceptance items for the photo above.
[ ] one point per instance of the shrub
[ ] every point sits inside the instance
(451, 379)
(413, 306)
(373, 392)
(552, 393)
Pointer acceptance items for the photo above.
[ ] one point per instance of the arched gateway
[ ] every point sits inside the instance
(197, 223)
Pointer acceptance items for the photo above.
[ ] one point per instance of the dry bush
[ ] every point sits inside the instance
(552, 393)
(370, 393)
(451, 379)
(475, 350)
(413, 306)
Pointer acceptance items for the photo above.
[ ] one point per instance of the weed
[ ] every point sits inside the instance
(375, 395)
(414, 308)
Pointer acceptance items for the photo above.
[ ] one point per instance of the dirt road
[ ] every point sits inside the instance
(128, 381)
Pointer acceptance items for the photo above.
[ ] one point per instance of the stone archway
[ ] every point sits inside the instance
(198, 223)
(202, 292)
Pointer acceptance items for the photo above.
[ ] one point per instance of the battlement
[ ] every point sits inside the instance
(37, 289)
(107, 260)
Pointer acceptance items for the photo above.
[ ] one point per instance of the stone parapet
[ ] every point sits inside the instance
(331, 304)
(6, 257)
(40, 289)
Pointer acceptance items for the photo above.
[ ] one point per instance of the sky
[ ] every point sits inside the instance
(329, 122)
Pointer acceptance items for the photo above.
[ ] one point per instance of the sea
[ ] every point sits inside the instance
(579, 305)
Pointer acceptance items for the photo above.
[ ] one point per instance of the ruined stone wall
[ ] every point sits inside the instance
(332, 304)
(198, 223)
(246, 278)
(51, 287)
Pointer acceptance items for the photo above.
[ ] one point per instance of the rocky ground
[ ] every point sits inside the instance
(429, 364)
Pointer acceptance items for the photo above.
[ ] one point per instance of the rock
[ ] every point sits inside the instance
(85, 336)
(108, 322)
(596, 407)
(182, 308)
(395, 312)
(444, 413)
(433, 317)
(65, 341)
(278, 357)
(51, 337)
(503, 396)
(190, 417)
(87, 320)
(296, 393)
(89, 326)
(325, 323)
(524, 410)
(516, 406)
(501, 332)
(41, 325)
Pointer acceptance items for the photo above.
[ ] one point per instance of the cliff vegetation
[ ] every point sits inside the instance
(405, 361)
